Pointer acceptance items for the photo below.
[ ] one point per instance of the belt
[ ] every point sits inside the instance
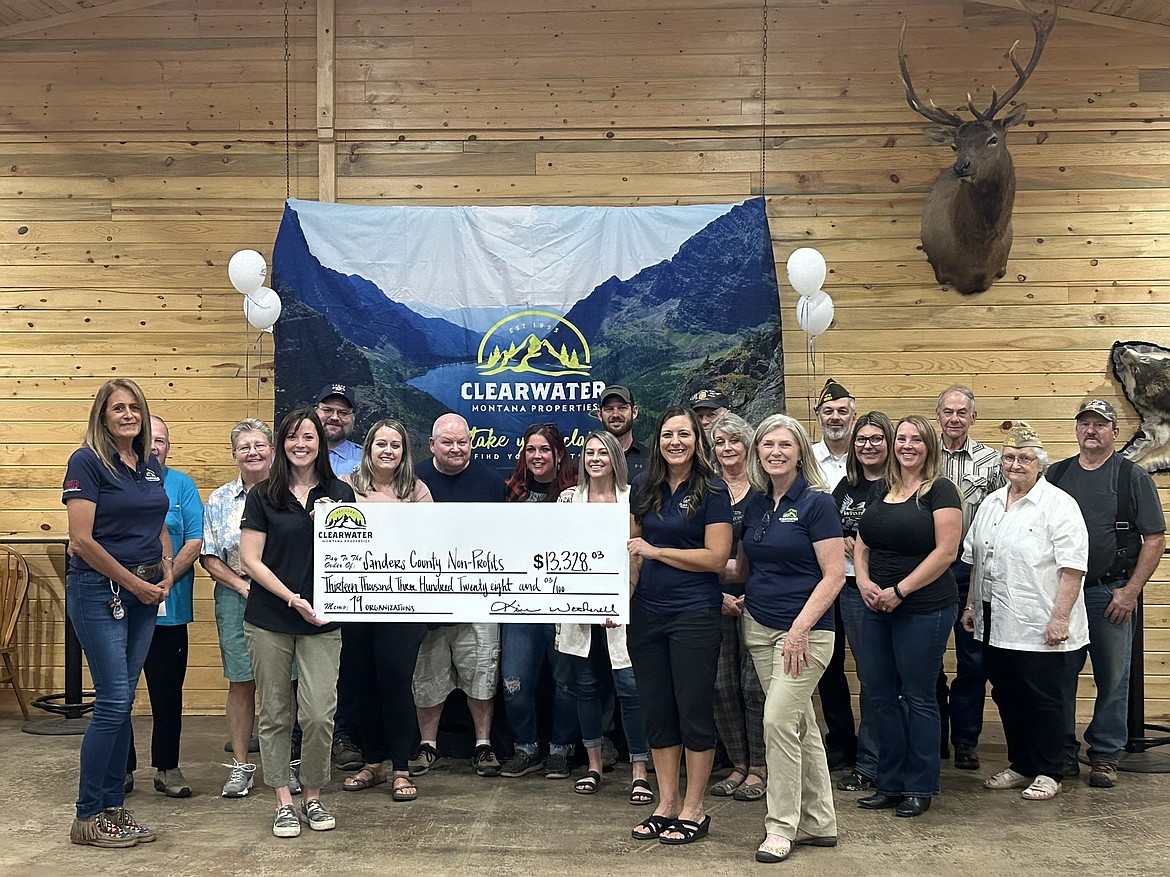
(1107, 580)
(147, 570)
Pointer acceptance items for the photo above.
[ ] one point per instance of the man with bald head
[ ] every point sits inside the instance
(464, 656)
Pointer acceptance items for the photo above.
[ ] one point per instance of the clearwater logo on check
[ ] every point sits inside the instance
(345, 517)
(536, 341)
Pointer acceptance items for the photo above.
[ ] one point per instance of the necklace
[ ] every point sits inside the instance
(737, 488)
(301, 492)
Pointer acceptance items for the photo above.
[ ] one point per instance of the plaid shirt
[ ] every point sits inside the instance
(976, 471)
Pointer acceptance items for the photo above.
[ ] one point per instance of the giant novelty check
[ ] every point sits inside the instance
(460, 562)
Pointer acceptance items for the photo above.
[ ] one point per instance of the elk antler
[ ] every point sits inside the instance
(933, 112)
(1042, 25)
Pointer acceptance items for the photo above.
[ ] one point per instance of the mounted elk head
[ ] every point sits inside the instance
(967, 219)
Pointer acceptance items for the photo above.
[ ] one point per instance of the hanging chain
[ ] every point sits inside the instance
(287, 143)
(764, 105)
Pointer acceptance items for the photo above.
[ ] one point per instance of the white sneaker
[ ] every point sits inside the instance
(239, 782)
(286, 824)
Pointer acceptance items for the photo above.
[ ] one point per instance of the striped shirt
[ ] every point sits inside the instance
(975, 469)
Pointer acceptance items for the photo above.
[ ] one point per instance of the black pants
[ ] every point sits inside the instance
(1029, 689)
(165, 670)
(675, 658)
(384, 655)
(836, 702)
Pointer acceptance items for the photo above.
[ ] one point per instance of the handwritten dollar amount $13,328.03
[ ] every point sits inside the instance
(565, 561)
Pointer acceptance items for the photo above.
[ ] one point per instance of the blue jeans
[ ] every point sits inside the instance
(852, 611)
(115, 651)
(903, 655)
(1110, 646)
(968, 691)
(523, 650)
(577, 677)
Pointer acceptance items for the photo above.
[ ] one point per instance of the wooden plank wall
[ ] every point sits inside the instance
(145, 147)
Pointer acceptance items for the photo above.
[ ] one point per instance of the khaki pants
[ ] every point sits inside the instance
(317, 658)
(800, 793)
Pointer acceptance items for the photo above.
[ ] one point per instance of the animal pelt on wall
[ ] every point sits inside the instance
(1143, 370)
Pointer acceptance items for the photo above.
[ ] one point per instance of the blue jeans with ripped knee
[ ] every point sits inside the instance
(523, 651)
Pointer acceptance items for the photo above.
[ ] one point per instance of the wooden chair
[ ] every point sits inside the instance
(13, 590)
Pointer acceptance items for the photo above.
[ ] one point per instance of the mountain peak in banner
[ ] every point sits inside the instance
(700, 290)
(362, 312)
(533, 354)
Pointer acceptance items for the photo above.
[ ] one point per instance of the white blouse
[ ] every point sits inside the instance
(1016, 555)
(575, 639)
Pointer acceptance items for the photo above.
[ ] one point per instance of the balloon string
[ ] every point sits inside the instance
(811, 369)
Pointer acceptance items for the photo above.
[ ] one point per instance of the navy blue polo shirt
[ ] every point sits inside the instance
(288, 552)
(666, 589)
(131, 506)
(784, 566)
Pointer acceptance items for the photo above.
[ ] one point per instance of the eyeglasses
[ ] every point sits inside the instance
(252, 449)
(1022, 459)
(329, 411)
(765, 522)
(870, 440)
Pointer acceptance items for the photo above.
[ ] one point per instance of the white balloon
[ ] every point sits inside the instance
(264, 313)
(806, 270)
(814, 314)
(247, 271)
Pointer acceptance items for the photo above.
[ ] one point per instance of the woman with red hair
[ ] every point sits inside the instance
(542, 471)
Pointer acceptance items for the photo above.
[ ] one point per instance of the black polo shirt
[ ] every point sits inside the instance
(636, 457)
(666, 589)
(288, 552)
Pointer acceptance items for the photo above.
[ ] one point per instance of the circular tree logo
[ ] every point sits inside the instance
(535, 342)
(345, 517)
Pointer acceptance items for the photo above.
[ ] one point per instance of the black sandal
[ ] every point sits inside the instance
(641, 793)
(588, 784)
(690, 830)
(655, 825)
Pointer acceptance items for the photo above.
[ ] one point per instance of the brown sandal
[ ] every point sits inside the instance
(752, 791)
(365, 778)
(403, 789)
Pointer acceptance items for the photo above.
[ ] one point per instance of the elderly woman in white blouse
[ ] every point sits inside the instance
(1029, 548)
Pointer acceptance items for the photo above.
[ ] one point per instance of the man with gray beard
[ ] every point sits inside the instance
(836, 410)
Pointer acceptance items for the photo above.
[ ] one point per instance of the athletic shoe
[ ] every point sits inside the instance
(425, 759)
(172, 783)
(521, 763)
(484, 762)
(319, 819)
(286, 823)
(239, 782)
(1103, 775)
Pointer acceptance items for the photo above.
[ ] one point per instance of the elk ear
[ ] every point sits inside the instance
(941, 135)
(1015, 116)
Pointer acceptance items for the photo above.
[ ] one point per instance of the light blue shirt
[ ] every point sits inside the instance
(345, 458)
(184, 523)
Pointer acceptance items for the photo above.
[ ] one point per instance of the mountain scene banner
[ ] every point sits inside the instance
(511, 316)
